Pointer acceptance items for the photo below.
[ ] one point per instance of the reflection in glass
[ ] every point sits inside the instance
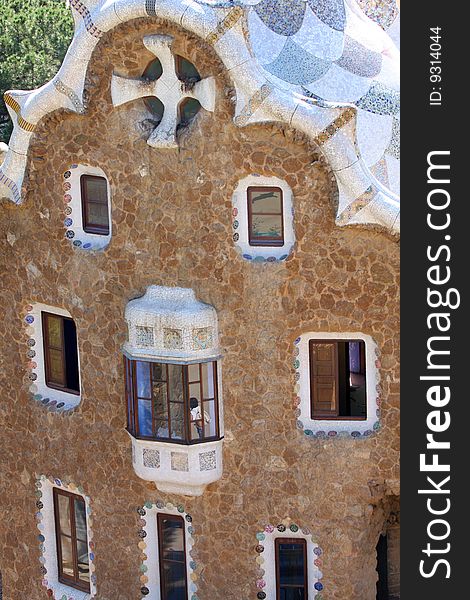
(67, 555)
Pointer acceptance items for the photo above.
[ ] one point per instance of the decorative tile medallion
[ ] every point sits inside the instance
(203, 338)
(151, 458)
(144, 336)
(207, 461)
(179, 461)
(172, 339)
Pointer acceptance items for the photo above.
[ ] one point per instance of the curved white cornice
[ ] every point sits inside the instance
(364, 198)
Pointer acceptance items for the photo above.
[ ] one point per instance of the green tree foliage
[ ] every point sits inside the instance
(34, 37)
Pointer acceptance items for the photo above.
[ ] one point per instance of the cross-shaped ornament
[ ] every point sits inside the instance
(170, 90)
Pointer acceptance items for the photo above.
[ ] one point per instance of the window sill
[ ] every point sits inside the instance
(63, 591)
(178, 468)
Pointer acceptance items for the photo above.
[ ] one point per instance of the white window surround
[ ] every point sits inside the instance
(73, 219)
(149, 548)
(240, 231)
(47, 396)
(336, 427)
(47, 539)
(266, 558)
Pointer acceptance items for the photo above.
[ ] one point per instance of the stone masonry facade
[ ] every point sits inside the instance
(172, 225)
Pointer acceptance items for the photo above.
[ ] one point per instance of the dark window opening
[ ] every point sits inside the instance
(265, 216)
(71, 540)
(188, 109)
(60, 353)
(338, 379)
(174, 403)
(186, 71)
(95, 209)
(172, 555)
(291, 569)
(382, 569)
(152, 72)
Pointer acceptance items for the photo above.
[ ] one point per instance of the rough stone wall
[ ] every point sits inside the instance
(173, 227)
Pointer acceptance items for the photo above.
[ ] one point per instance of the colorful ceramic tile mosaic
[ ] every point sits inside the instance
(144, 336)
(151, 458)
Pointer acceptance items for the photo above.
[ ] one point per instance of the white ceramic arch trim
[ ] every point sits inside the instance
(240, 233)
(73, 213)
(259, 98)
(46, 526)
(49, 397)
(336, 427)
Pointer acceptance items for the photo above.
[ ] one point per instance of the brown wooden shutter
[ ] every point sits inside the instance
(53, 333)
(324, 383)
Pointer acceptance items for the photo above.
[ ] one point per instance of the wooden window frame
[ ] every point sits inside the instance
(334, 417)
(47, 359)
(130, 367)
(88, 226)
(161, 560)
(62, 577)
(264, 241)
(300, 542)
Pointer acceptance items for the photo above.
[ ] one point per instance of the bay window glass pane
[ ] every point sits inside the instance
(208, 380)
(193, 372)
(175, 383)
(210, 421)
(195, 392)
(158, 372)
(54, 330)
(177, 420)
(145, 417)
(67, 555)
(160, 400)
(64, 514)
(266, 226)
(266, 201)
(291, 564)
(142, 370)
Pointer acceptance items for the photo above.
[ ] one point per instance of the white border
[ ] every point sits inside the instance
(88, 241)
(240, 220)
(332, 427)
(46, 526)
(38, 388)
